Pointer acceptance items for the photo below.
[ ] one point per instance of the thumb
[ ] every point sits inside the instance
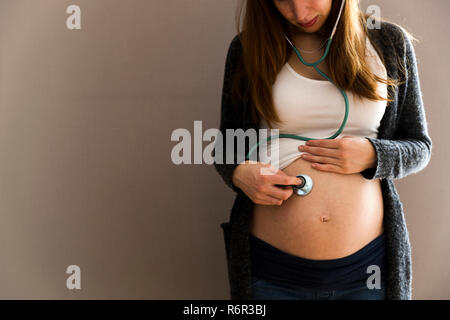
(282, 178)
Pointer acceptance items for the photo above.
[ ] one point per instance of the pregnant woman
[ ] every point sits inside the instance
(346, 238)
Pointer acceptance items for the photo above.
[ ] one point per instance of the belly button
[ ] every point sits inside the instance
(324, 219)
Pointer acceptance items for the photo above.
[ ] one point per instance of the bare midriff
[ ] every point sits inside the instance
(342, 214)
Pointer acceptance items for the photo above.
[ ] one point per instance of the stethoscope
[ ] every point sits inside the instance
(306, 186)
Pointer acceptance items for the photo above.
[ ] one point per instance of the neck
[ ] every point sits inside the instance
(309, 42)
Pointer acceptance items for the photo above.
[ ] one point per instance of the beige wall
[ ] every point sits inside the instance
(86, 176)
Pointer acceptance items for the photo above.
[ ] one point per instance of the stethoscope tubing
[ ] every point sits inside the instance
(307, 183)
(314, 64)
(293, 136)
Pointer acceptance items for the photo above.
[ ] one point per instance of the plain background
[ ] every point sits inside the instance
(86, 176)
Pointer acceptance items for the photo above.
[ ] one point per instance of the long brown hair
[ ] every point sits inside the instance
(265, 51)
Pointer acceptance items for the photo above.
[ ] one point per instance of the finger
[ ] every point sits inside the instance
(280, 193)
(320, 151)
(283, 178)
(326, 143)
(326, 167)
(266, 199)
(313, 158)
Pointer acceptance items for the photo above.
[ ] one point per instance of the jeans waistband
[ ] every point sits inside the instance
(271, 263)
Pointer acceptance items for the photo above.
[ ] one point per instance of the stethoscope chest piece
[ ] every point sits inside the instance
(305, 187)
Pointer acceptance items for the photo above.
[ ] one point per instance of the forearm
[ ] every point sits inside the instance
(409, 149)
(396, 159)
(372, 156)
(226, 171)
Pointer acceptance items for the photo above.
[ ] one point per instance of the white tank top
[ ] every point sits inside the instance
(316, 108)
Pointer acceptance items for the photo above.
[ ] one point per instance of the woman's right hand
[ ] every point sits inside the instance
(257, 180)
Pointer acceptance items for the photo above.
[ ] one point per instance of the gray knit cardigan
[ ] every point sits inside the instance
(403, 147)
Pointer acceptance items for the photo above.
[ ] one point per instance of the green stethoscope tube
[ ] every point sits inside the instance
(314, 64)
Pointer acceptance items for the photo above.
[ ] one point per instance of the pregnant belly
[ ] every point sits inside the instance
(338, 217)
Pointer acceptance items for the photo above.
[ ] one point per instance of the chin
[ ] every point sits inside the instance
(299, 29)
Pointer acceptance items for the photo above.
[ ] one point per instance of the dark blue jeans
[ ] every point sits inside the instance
(266, 290)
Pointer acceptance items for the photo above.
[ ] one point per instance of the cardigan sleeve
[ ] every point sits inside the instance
(229, 119)
(410, 149)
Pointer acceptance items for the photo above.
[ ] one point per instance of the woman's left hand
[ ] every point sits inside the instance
(347, 155)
